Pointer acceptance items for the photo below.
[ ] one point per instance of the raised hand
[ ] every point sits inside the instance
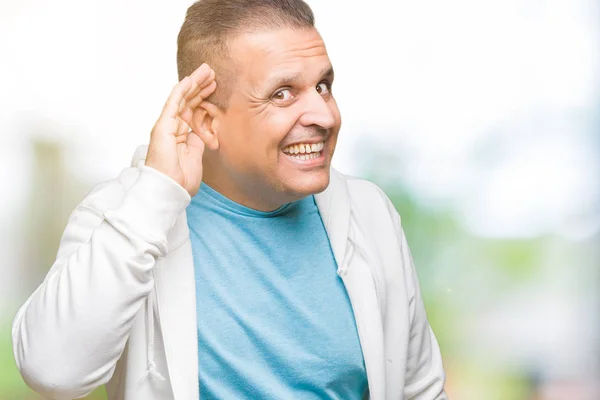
(174, 150)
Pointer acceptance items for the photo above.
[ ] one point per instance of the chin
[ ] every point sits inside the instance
(307, 184)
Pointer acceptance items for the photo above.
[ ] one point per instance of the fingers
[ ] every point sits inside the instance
(201, 77)
(182, 138)
(203, 85)
(201, 95)
(187, 114)
(202, 74)
(177, 112)
(171, 108)
(182, 127)
(195, 145)
(187, 111)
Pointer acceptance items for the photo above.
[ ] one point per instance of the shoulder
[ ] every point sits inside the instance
(109, 194)
(367, 198)
(90, 212)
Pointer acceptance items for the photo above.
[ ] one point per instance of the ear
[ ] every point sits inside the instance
(205, 122)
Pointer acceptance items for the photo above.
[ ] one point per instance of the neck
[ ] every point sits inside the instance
(242, 191)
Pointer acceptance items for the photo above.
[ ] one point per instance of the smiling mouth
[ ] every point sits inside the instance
(304, 151)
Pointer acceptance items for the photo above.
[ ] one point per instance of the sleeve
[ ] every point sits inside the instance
(69, 334)
(424, 376)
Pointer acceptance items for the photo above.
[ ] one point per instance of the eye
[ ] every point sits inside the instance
(324, 88)
(283, 95)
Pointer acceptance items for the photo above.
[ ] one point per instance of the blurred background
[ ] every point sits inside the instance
(479, 118)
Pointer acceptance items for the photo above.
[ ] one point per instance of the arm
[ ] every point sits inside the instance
(425, 375)
(70, 333)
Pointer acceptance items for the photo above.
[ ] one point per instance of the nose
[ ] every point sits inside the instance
(319, 112)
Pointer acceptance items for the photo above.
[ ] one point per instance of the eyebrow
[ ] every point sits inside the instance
(288, 80)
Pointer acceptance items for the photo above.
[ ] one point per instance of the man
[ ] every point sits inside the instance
(230, 261)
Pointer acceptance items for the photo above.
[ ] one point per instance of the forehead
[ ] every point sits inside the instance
(284, 51)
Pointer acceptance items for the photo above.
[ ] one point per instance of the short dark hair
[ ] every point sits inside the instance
(210, 24)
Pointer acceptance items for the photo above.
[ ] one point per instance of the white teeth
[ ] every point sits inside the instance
(304, 148)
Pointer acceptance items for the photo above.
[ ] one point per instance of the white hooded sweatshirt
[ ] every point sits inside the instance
(118, 305)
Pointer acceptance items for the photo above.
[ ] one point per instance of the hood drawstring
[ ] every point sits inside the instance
(151, 370)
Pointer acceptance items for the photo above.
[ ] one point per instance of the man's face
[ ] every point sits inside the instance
(279, 131)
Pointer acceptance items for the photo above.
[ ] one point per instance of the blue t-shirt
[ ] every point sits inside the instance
(274, 318)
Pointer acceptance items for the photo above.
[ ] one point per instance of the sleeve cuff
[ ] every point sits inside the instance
(151, 206)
